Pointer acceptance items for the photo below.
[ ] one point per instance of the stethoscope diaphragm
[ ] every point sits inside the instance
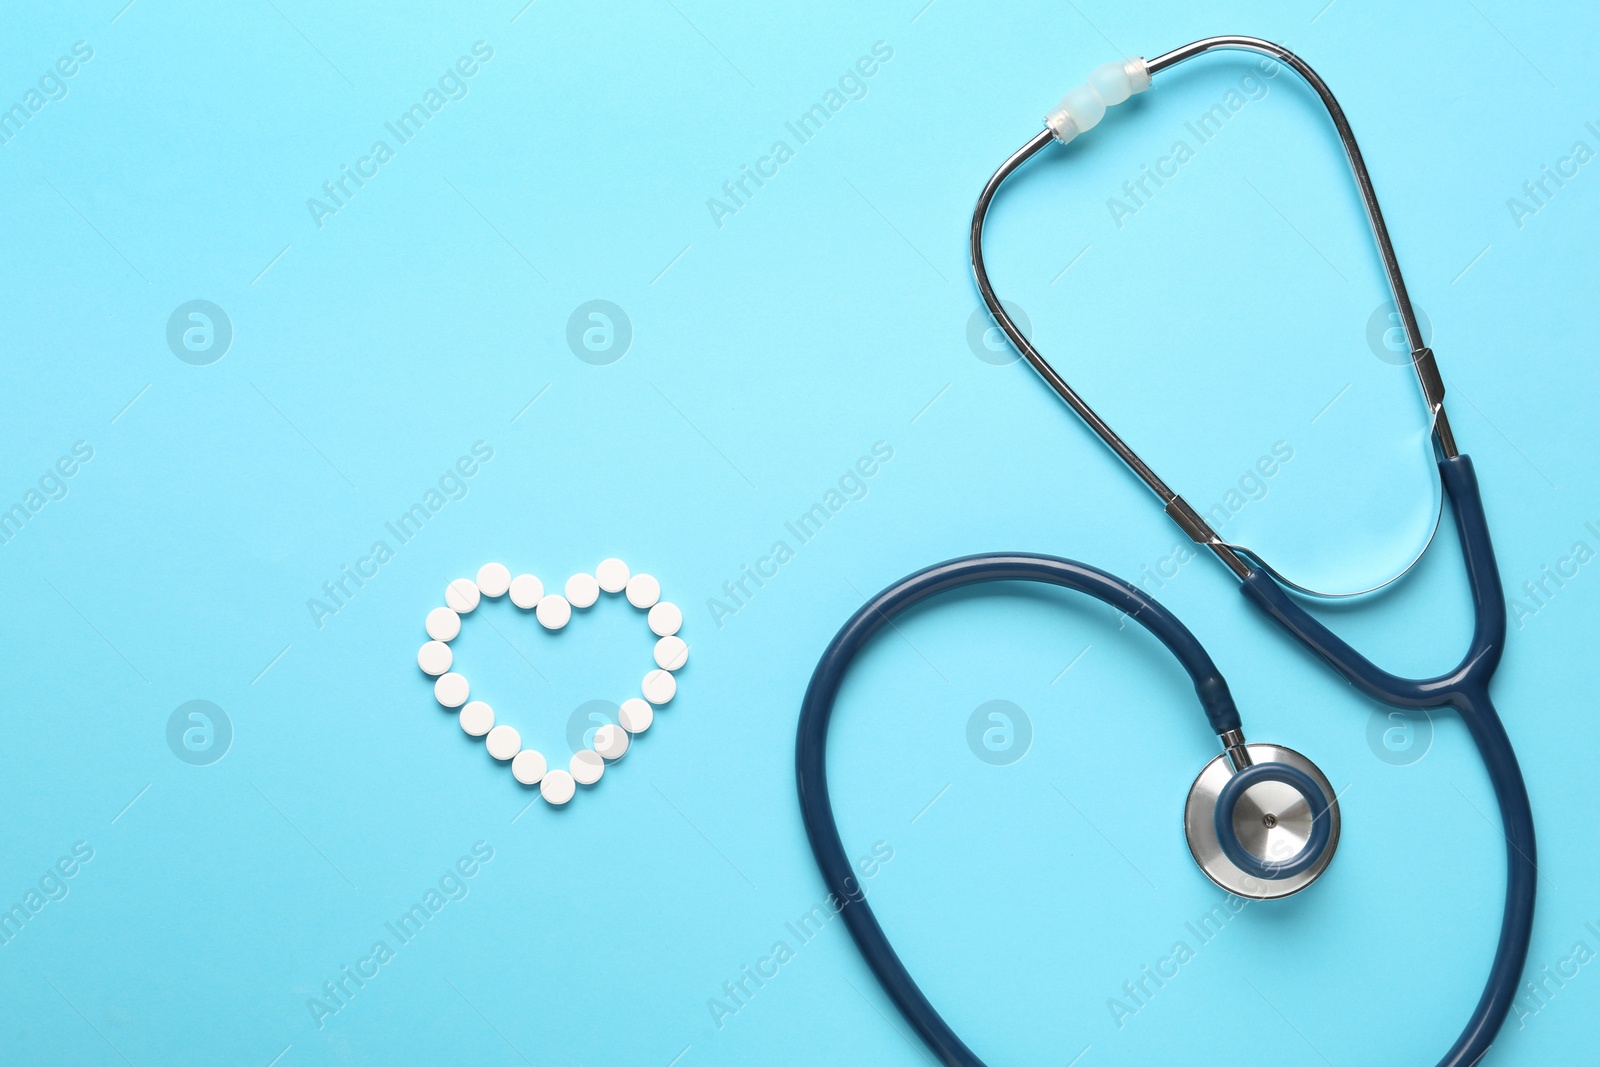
(1266, 830)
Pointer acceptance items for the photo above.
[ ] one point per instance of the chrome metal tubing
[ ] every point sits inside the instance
(1422, 357)
(1176, 506)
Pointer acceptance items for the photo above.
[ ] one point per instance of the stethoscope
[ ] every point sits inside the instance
(1261, 820)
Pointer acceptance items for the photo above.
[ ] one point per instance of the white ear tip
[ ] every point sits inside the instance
(1061, 124)
(1115, 82)
(1108, 84)
(1138, 73)
(1085, 107)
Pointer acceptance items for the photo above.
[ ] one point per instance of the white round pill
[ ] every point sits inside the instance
(611, 741)
(557, 787)
(587, 766)
(659, 686)
(612, 574)
(635, 715)
(526, 591)
(443, 624)
(583, 590)
(503, 742)
(493, 579)
(477, 718)
(461, 595)
(665, 619)
(643, 591)
(671, 653)
(553, 611)
(528, 766)
(434, 657)
(450, 690)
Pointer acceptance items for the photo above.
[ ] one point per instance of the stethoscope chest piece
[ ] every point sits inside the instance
(1265, 830)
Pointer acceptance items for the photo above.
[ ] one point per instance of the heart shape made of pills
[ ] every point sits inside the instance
(554, 610)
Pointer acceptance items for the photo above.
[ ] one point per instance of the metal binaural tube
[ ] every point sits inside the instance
(1176, 506)
(1422, 358)
(1421, 354)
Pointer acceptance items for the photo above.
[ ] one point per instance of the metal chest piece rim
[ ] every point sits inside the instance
(1271, 821)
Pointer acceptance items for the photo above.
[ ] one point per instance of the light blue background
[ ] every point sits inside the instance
(830, 312)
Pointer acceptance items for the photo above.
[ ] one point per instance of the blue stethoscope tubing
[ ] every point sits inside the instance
(811, 746)
(1464, 689)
